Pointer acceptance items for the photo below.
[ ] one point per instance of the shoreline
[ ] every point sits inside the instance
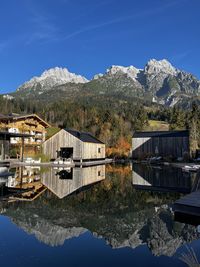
(15, 163)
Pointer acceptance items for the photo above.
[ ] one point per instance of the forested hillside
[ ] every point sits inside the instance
(112, 120)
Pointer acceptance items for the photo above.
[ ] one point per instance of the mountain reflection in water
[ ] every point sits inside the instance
(105, 201)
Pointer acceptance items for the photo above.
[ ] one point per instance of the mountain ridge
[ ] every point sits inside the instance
(159, 81)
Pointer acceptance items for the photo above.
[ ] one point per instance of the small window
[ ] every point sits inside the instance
(99, 173)
(99, 150)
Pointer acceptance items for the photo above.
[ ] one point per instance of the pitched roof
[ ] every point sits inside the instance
(15, 116)
(184, 133)
(84, 137)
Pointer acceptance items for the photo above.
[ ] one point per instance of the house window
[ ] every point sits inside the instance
(99, 150)
(99, 173)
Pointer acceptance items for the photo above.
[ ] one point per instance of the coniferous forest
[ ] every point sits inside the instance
(112, 120)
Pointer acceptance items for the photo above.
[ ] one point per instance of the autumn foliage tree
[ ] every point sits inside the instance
(120, 150)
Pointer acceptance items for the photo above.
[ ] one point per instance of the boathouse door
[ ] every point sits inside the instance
(66, 152)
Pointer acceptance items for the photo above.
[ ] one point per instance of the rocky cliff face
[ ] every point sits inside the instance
(158, 82)
(51, 78)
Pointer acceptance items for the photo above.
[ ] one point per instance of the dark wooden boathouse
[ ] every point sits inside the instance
(173, 144)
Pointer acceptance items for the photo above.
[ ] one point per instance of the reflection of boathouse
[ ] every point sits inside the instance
(77, 178)
(156, 178)
(73, 144)
(160, 143)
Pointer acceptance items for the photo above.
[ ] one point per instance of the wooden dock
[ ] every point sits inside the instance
(189, 204)
(41, 164)
(93, 163)
(73, 164)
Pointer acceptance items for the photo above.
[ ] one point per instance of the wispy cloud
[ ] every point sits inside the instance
(182, 55)
(133, 16)
(40, 36)
(44, 29)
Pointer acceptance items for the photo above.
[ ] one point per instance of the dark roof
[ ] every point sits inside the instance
(184, 133)
(9, 116)
(3, 116)
(84, 137)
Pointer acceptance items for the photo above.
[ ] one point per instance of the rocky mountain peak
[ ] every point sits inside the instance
(97, 76)
(159, 82)
(154, 66)
(130, 71)
(63, 74)
(53, 77)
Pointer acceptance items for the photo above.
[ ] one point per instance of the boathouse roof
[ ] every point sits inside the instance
(184, 133)
(83, 136)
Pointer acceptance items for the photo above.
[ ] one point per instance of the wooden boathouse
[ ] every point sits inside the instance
(172, 144)
(79, 146)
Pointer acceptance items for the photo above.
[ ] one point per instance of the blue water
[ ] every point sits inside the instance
(17, 248)
(109, 212)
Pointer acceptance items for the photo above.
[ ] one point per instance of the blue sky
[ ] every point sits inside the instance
(88, 36)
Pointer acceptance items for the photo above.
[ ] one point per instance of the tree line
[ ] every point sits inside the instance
(111, 120)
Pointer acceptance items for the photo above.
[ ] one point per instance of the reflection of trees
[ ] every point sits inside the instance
(119, 214)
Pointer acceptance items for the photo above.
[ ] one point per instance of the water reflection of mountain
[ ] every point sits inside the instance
(168, 179)
(47, 232)
(64, 182)
(112, 210)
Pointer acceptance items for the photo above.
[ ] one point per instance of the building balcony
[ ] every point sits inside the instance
(28, 143)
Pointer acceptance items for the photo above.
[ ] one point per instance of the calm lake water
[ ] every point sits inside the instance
(110, 215)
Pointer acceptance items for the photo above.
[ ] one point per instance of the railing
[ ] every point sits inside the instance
(27, 143)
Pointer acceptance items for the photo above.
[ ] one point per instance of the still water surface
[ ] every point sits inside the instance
(110, 215)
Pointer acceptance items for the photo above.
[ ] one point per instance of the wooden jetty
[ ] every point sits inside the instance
(73, 164)
(94, 162)
(41, 164)
(189, 204)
